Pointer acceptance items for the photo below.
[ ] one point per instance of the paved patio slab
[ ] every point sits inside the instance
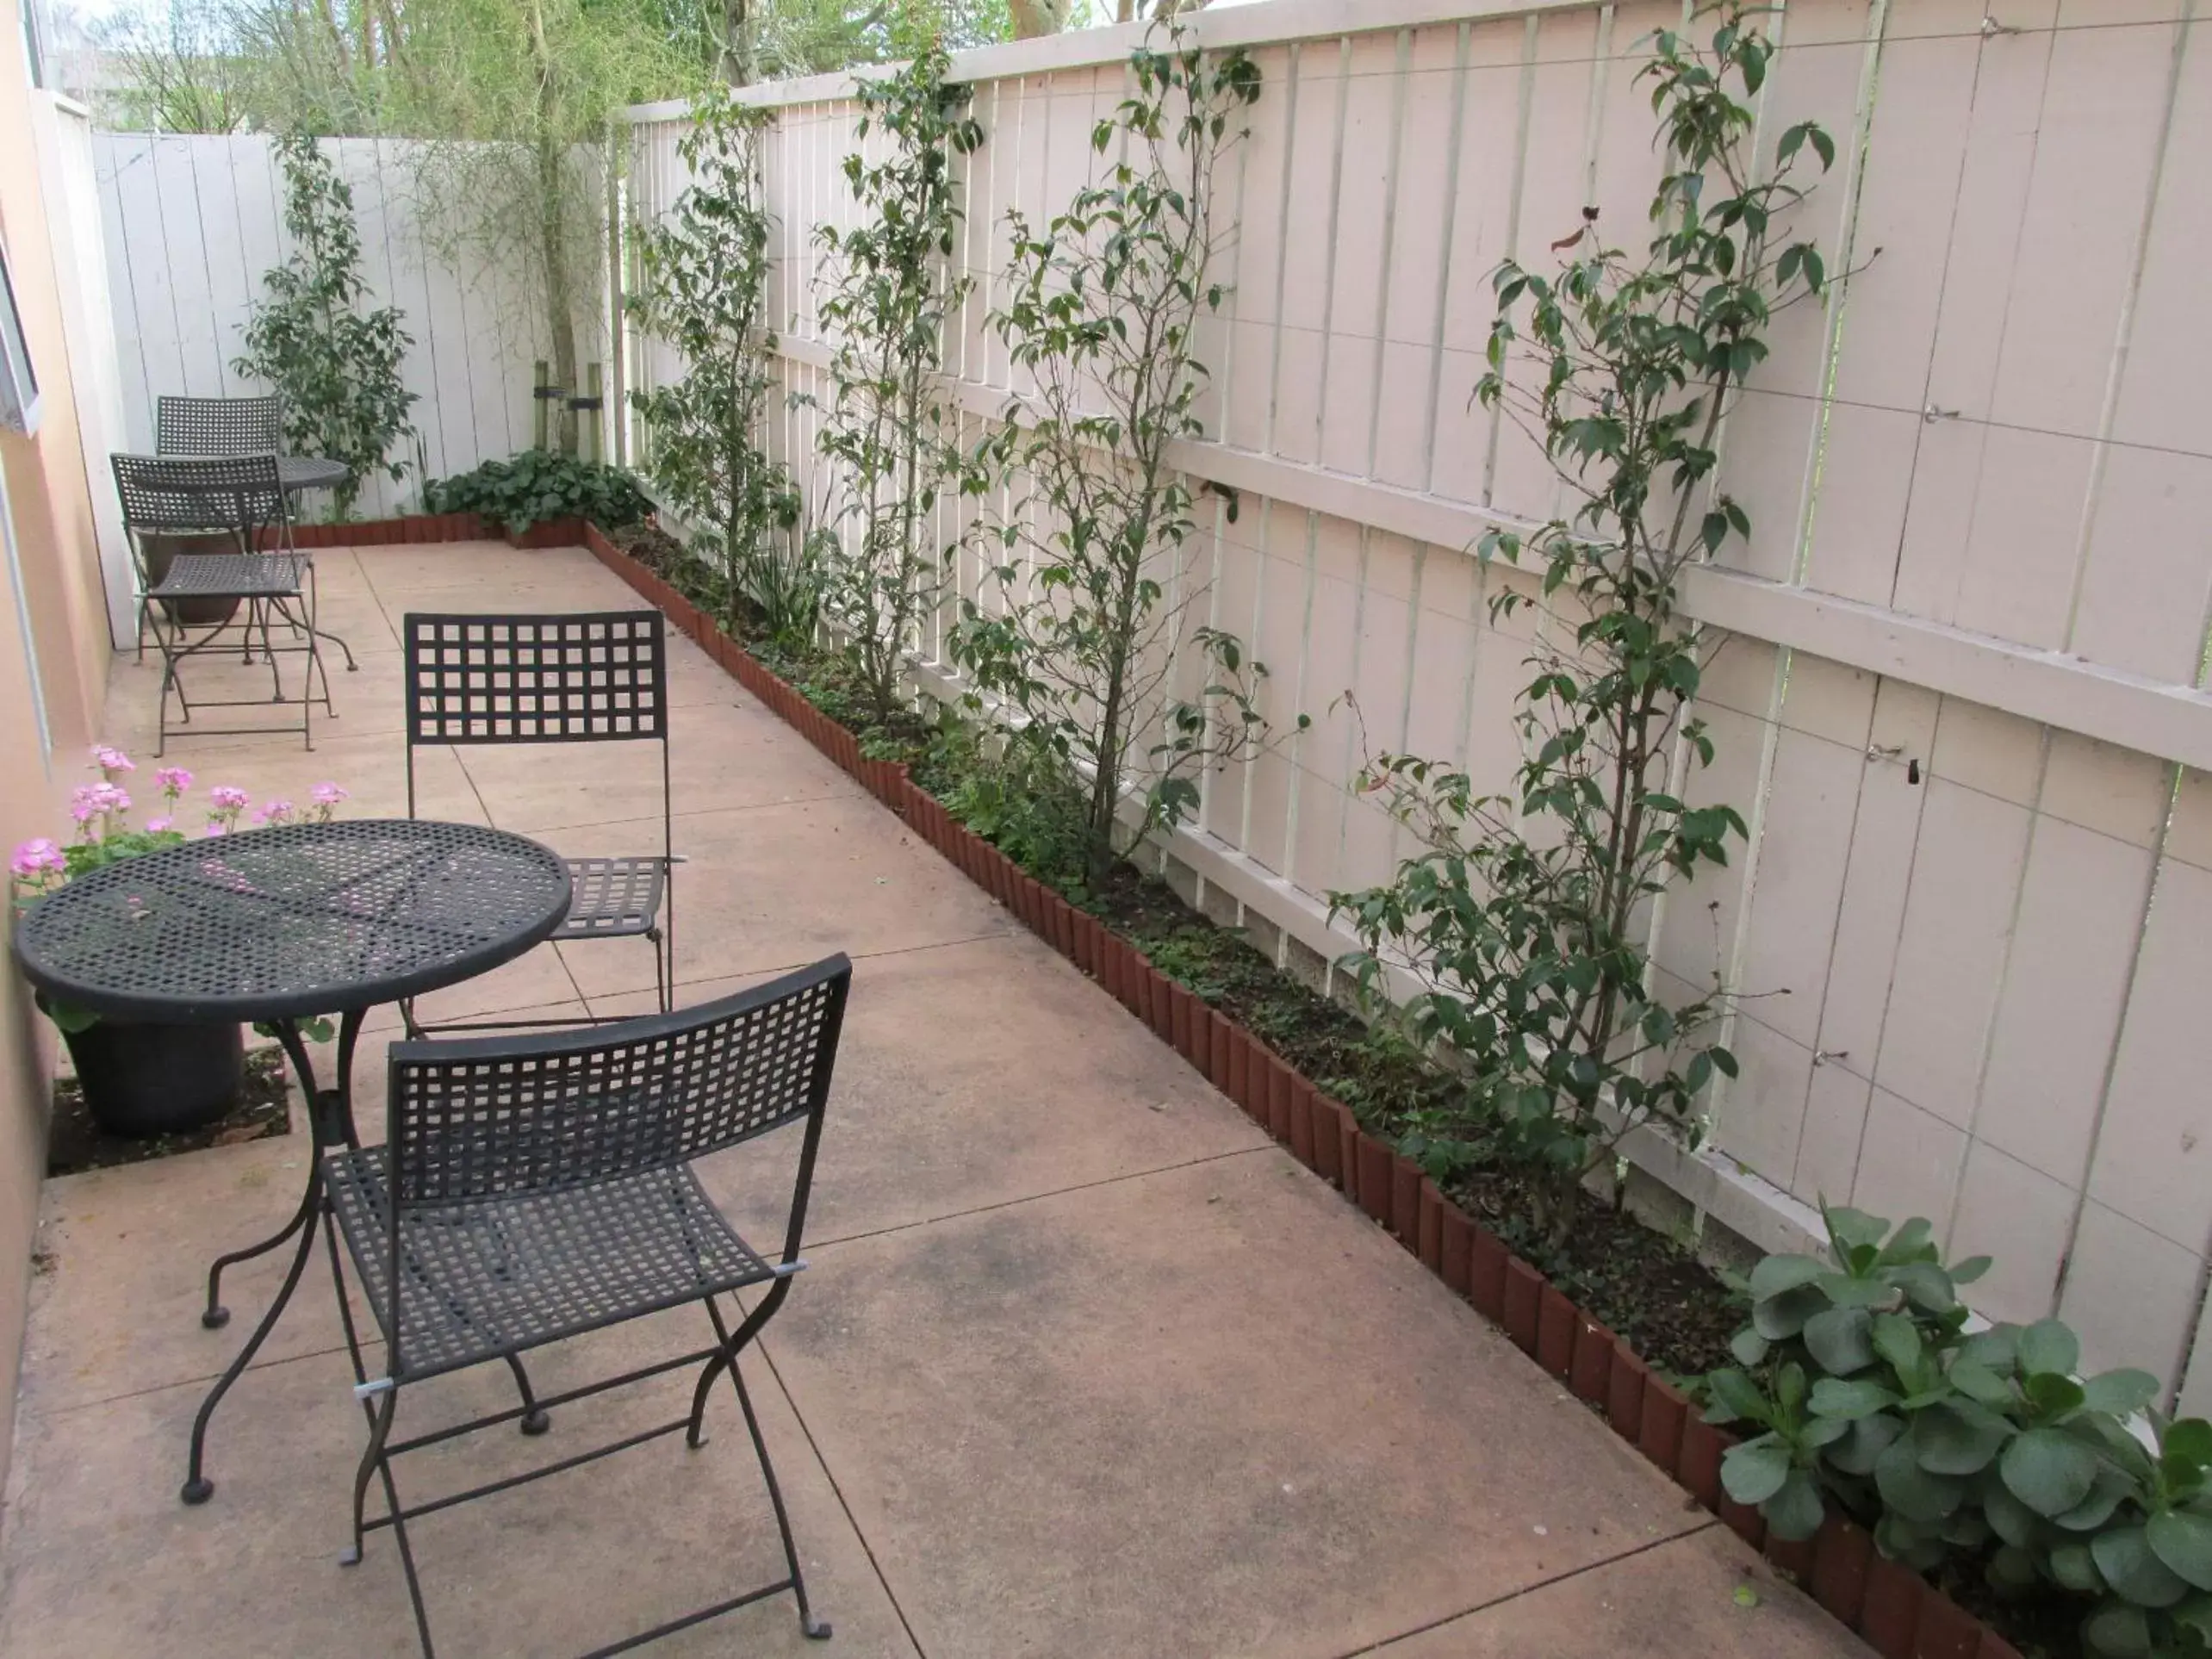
(1083, 1365)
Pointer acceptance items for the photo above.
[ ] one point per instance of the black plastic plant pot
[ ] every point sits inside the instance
(144, 1080)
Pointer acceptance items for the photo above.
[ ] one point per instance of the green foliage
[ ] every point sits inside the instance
(1864, 1384)
(537, 487)
(1088, 633)
(336, 366)
(1014, 791)
(885, 296)
(1524, 916)
(702, 289)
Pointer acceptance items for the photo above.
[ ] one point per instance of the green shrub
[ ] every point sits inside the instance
(537, 487)
(1864, 1384)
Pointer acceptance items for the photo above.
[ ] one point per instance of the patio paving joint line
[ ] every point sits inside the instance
(1055, 1192)
(821, 1463)
(1495, 1601)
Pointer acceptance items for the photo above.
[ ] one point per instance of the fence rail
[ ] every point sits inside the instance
(1961, 698)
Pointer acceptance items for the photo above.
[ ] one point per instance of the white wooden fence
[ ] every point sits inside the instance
(192, 223)
(1962, 703)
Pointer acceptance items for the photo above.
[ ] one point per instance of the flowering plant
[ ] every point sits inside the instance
(105, 833)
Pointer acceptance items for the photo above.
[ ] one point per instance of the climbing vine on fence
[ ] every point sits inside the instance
(891, 431)
(1525, 916)
(1090, 617)
(705, 290)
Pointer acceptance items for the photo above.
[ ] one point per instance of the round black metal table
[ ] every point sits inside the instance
(299, 472)
(284, 925)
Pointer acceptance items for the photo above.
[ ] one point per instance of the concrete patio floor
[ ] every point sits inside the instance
(1083, 1365)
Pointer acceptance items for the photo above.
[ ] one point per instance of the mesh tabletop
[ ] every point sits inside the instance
(311, 472)
(309, 918)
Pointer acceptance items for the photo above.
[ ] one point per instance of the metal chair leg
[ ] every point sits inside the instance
(372, 1460)
(818, 1629)
(534, 1420)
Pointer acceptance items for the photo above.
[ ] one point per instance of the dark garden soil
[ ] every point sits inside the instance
(75, 1143)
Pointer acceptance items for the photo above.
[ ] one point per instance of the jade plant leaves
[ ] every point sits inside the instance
(1834, 1397)
(1958, 1438)
(1777, 1274)
(2049, 1345)
(1912, 1490)
(2121, 1393)
(2049, 1470)
(2117, 1632)
(1796, 1510)
(2124, 1556)
(1839, 1339)
(1756, 1470)
(2182, 1540)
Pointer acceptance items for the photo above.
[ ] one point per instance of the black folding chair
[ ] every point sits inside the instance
(534, 1188)
(233, 426)
(592, 677)
(240, 499)
(218, 425)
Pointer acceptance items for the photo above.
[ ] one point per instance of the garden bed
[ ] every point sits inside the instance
(75, 1143)
(1619, 1316)
(1253, 1032)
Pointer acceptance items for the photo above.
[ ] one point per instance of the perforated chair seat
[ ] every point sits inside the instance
(610, 898)
(230, 575)
(489, 1277)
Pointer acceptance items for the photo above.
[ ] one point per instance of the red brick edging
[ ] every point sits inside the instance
(1897, 1611)
(420, 527)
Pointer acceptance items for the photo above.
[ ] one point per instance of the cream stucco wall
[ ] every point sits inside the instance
(62, 621)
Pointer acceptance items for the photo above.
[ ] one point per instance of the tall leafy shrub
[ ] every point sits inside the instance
(704, 289)
(1089, 617)
(1525, 916)
(336, 365)
(892, 433)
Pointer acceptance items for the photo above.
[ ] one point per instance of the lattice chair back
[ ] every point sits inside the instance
(577, 677)
(184, 494)
(218, 425)
(492, 1117)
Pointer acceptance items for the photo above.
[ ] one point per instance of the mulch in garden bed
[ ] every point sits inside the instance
(75, 1143)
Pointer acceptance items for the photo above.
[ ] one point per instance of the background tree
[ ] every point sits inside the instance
(336, 366)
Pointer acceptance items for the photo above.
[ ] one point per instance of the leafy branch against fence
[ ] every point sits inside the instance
(887, 292)
(704, 290)
(1526, 914)
(1089, 615)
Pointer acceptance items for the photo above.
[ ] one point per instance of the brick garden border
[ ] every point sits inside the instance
(1899, 1614)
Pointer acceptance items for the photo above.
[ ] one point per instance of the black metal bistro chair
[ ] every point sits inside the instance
(218, 425)
(239, 499)
(533, 1188)
(242, 426)
(584, 677)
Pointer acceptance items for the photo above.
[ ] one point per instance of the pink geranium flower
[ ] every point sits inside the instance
(160, 826)
(229, 797)
(275, 812)
(174, 781)
(36, 860)
(111, 760)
